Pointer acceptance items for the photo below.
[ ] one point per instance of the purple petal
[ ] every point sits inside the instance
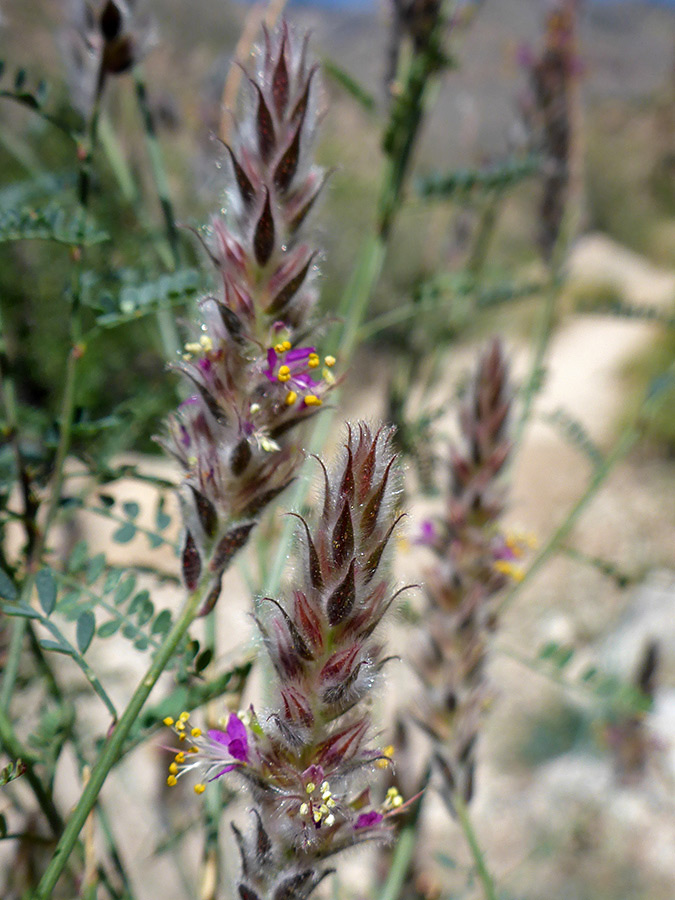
(428, 532)
(224, 770)
(239, 749)
(300, 353)
(236, 730)
(219, 737)
(303, 380)
(368, 819)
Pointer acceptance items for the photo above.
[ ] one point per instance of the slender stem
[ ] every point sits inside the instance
(115, 743)
(211, 862)
(478, 857)
(622, 447)
(536, 373)
(484, 233)
(15, 751)
(166, 322)
(406, 843)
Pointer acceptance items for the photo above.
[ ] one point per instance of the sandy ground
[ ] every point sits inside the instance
(632, 521)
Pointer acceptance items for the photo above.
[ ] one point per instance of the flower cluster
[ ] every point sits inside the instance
(549, 114)
(106, 37)
(253, 374)
(303, 760)
(476, 559)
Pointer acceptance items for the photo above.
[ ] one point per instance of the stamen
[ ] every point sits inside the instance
(291, 397)
(284, 374)
(330, 361)
(172, 781)
(313, 360)
(196, 732)
(200, 788)
(311, 787)
(312, 400)
(168, 721)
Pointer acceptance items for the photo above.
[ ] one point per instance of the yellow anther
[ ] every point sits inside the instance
(316, 815)
(172, 781)
(193, 347)
(330, 361)
(392, 792)
(184, 716)
(286, 345)
(284, 374)
(328, 376)
(180, 757)
(291, 397)
(304, 809)
(388, 752)
(323, 809)
(397, 801)
(313, 360)
(311, 787)
(193, 749)
(206, 343)
(173, 769)
(330, 820)
(504, 567)
(187, 357)
(330, 803)
(312, 400)
(180, 726)
(279, 349)
(196, 732)
(200, 788)
(181, 736)
(168, 720)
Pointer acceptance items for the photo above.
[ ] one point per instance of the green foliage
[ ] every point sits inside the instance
(9, 773)
(459, 183)
(7, 589)
(574, 432)
(52, 222)
(363, 97)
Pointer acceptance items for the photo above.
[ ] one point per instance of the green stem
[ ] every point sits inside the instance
(406, 843)
(536, 373)
(478, 857)
(115, 743)
(622, 447)
(15, 751)
(166, 322)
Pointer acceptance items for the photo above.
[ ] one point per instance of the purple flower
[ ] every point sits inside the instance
(428, 533)
(211, 754)
(235, 738)
(292, 367)
(368, 819)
